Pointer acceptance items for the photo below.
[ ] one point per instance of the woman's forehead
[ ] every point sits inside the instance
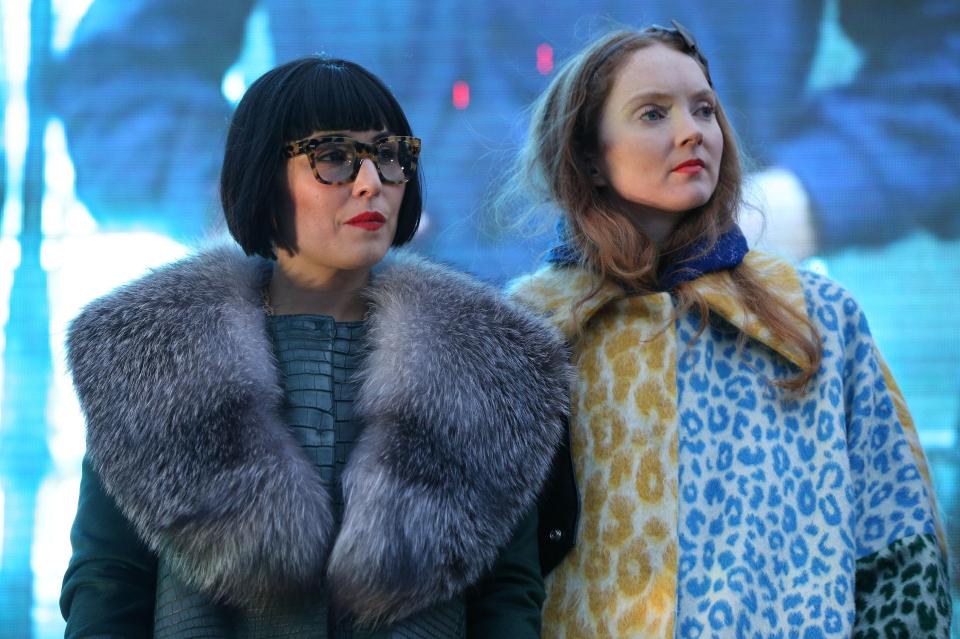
(659, 70)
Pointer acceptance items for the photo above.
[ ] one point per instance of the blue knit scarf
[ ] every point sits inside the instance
(697, 260)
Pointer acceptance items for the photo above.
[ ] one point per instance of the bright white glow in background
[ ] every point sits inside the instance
(81, 264)
(15, 40)
(67, 14)
(257, 57)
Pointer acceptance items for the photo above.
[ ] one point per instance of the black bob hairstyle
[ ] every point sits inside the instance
(290, 103)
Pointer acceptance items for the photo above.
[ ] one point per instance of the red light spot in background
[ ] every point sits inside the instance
(544, 59)
(461, 94)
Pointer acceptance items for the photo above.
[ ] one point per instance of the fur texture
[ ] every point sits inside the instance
(463, 397)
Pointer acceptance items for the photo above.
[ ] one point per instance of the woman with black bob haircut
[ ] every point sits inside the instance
(305, 441)
(306, 96)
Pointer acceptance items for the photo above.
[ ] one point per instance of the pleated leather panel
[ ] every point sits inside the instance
(318, 359)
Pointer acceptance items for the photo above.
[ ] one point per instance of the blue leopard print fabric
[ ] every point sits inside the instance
(785, 501)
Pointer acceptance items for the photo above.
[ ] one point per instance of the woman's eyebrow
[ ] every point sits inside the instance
(657, 94)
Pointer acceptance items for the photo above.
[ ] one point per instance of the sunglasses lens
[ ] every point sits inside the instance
(395, 160)
(334, 161)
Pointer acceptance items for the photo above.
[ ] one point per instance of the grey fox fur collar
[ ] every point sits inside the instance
(463, 397)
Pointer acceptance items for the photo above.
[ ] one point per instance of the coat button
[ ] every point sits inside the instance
(555, 535)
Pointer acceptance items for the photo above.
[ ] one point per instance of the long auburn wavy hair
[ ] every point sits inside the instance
(556, 163)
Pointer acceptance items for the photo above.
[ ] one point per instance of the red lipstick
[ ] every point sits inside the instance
(368, 220)
(690, 167)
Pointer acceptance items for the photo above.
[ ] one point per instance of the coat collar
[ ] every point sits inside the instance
(463, 398)
(555, 291)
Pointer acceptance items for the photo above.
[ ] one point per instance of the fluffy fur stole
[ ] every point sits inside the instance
(463, 397)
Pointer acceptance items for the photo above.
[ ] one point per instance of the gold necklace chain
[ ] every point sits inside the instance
(265, 299)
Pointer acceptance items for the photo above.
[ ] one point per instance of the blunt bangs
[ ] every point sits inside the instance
(339, 96)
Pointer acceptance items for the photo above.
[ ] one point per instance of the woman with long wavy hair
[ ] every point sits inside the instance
(747, 466)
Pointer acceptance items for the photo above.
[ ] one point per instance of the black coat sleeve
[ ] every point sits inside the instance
(507, 602)
(110, 583)
(559, 509)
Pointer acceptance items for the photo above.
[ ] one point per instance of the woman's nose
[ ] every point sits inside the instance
(689, 133)
(368, 182)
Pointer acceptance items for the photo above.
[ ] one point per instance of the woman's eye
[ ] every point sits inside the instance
(707, 111)
(651, 115)
(331, 155)
(387, 154)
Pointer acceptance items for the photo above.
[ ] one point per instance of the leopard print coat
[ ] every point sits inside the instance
(715, 504)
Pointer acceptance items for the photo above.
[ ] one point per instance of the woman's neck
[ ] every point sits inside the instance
(656, 224)
(336, 294)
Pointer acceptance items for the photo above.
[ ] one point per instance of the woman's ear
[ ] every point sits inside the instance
(596, 173)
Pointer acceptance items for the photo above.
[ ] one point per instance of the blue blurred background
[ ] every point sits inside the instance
(114, 112)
